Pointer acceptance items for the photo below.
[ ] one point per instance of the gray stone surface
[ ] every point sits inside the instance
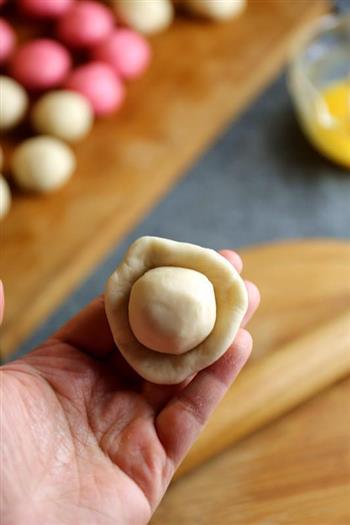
(260, 182)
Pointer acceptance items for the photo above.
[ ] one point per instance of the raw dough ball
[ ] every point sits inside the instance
(216, 9)
(64, 114)
(7, 40)
(100, 85)
(86, 24)
(45, 8)
(42, 164)
(133, 312)
(172, 310)
(41, 64)
(13, 103)
(148, 17)
(5, 197)
(126, 51)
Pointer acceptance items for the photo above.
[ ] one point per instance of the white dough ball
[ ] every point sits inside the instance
(216, 9)
(5, 197)
(42, 164)
(64, 114)
(147, 17)
(172, 310)
(13, 103)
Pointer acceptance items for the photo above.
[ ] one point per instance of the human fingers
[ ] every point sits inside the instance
(182, 419)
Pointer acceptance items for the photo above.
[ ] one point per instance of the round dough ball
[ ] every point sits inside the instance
(126, 51)
(218, 9)
(40, 64)
(64, 114)
(13, 103)
(129, 314)
(7, 40)
(45, 8)
(148, 17)
(100, 85)
(5, 197)
(85, 24)
(172, 310)
(42, 164)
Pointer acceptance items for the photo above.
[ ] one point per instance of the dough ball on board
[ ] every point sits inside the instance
(13, 103)
(148, 17)
(63, 114)
(216, 9)
(162, 316)
(42, 164)
(5, 197)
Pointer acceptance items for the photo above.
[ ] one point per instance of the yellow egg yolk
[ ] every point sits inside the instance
(333, 140)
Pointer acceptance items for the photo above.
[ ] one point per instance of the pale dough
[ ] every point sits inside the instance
(5, 197)
(147, 17)
(42, 164)
(172, 310)
(13, 103)
(64, 114)
(230, 296)
(216, 9)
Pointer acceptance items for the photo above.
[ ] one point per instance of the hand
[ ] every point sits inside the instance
(85, 440)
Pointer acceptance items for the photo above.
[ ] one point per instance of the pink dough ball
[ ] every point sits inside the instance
(45, 8)
(126, 51)
(41, 64)
(7, 40)
(86, 24)
(100, 85)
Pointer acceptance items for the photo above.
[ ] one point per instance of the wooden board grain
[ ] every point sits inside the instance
(296, 470)
(201, 77)
(305, 290)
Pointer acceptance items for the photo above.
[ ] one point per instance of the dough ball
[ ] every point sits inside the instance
(99, 83)
(64, 114)
(148, 17)
(216, 9)
(126, 51)
(85, 24)
(42, 164)
(13, 103)
(7, 40)
(172, 310)
(45, 8)
(5, 197)
(40, 64)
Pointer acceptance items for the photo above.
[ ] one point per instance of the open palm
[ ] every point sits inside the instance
(85, 440)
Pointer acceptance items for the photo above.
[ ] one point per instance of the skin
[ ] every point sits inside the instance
(85, 440)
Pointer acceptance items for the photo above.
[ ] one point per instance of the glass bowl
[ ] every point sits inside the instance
(319, 83)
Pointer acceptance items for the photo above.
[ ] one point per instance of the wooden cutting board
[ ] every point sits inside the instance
(202, 75)
(296, 470)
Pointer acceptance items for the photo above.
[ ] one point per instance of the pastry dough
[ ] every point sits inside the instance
(13, 103)
(64, 114)
(133, 284)
(216, 9)
(5, 197)
(42, 164)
